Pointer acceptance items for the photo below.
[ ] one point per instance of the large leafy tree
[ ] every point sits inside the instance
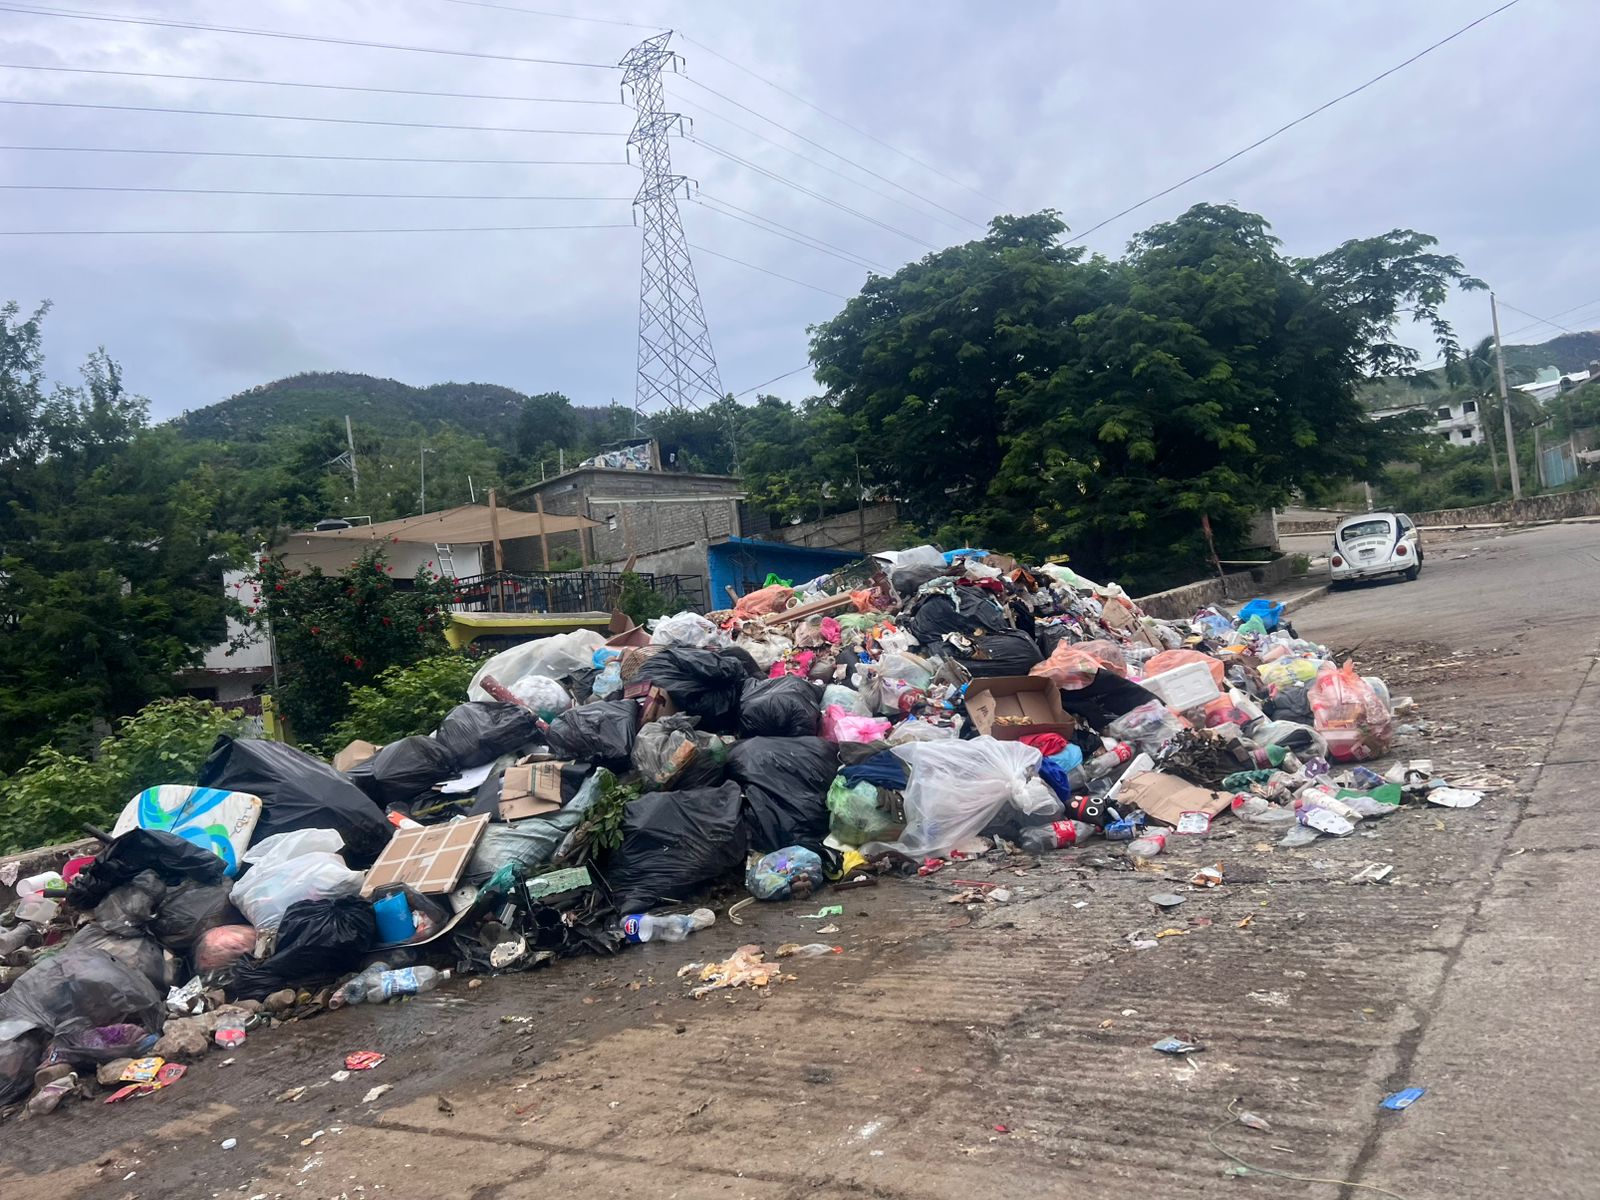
(1017, 393)
(110, 563)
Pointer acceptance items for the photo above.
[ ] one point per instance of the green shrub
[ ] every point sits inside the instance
(404, 700)
(642, 602)
(55, 794)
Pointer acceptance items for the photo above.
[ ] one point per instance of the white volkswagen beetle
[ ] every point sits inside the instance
(1375, 544)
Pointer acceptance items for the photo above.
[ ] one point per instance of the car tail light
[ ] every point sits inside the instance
(1337, 561)
(1401, 550)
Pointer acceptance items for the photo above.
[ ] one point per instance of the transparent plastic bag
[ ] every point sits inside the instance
(687, 629)
(555, 657)
(791, 873)
(856, 814)
(841, 726)
(1350, 714)
(838, 695)
(919, 731)
(544, 695)
(1149, 727)
(957, 787)
(289, 867)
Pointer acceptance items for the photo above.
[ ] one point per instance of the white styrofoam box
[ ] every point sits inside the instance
(1185, 687)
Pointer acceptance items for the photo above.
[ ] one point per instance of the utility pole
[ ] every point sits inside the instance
(1505, 402)
(676, 362)
(355, 477)
(422, 466)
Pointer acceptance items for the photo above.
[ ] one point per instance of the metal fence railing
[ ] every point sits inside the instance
(568, 591)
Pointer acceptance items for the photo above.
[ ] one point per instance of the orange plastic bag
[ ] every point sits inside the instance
(1350, 714)
(1168, 659)
(763, 601)
(1068, 667)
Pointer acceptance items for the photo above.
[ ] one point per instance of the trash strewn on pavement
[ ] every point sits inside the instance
(594, 793)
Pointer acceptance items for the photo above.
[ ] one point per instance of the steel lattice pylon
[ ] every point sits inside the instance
(676, 363)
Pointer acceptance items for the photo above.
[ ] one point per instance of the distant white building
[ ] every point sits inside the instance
(1460, 423)
(1549, 382)
(234, 677)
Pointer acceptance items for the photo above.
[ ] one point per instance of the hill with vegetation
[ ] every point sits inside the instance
(1568, 353)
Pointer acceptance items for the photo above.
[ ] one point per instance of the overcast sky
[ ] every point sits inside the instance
(1488, 143)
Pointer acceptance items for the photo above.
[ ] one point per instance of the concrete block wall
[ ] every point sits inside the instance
(654, 511)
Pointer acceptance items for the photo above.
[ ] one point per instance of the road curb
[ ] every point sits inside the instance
(1301, 599)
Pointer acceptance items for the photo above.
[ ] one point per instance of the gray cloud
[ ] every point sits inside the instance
(1082, 108)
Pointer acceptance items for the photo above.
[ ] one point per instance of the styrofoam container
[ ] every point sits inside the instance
(1185, 687)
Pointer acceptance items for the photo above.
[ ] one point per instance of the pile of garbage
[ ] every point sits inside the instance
(954, 704)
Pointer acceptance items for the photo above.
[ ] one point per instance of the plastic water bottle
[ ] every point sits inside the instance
(646, 927)
(408, 981)
(1258, 810)
(1102, 764)
(355, 991)
(1054, 836)
(1146, 847)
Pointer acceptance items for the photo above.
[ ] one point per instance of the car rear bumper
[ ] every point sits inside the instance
(1371, 571)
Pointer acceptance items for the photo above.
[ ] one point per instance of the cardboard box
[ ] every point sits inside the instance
(1166, 798)
(354, 755)
(1011, 707)
(531, 790)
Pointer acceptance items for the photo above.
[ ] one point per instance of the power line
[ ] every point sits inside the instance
(813, 193)
(716, 204)
(825, 149)
(289, 83)
(72, 14)
(840, 120)
(823, 166)
(1538, 320)
(256, 232)
(769, 382)
(505, 162)
(209, 112)
(765, 271)
(1261, 141)
(185, 191)
(539, 12)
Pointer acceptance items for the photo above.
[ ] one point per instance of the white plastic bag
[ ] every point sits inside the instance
(687, 629)
(543, 694)
(303, 864)
(958, 787)
(564, 654)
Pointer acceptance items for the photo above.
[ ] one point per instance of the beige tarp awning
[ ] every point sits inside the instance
(468, 523)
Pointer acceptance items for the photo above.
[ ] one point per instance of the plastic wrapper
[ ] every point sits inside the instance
(556, 657)
(782, 707)
(686, 629)
(788, 874)
(673, 843)
(318, 940)
(702, 683)
(599, 732)
(959, 787)
(222, 947)
(543, 695)
(298, 792)
(1148, 727)
(171, 858)
(1350, 715)
(785, 783)
(77, 989)
(859, 814)
(404, 771)
(841, 726)
(291, 867)
(481, 731)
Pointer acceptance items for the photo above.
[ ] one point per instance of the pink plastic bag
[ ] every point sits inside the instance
(1068, 667)
(763, 601)
(219, 947)
(841, 725)
(1350, 714)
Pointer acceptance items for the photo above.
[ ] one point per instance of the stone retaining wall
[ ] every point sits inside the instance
(1179, 602)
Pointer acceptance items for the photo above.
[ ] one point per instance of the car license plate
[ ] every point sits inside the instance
(1368, 553)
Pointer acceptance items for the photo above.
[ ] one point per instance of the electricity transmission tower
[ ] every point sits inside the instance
(676, 362)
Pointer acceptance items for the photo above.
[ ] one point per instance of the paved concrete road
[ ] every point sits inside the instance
(1006, 1051)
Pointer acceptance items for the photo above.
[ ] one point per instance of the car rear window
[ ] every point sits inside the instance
(1365, 529)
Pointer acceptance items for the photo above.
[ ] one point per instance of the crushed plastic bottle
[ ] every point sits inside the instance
(1258, 810)
(646, 927)
(408, 981)
(1143, 849)
(355, 991)
(1101, 765)
(1055, 836)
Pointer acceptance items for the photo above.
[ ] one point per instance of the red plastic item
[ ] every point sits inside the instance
(363, 1060)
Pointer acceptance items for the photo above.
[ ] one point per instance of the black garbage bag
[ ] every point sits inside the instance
(81, 987)
(405, 770)
(673, 843)
(19, 1059)
(190, 910)
(973, 610)
(1289, 704)
(298, 792)
(173, 859)
(785, 781)
(702, 683)
(1009, 653)
(134, 950)
(787, 706)
(601, 732)
(1107, 697)
(481, 731)
(127, 911)
(318, 940)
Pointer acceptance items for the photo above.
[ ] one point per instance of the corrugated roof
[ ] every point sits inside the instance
(466, 523)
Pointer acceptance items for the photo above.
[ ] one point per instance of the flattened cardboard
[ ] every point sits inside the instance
(1166, 798)
(531, 790)
(354, 755)
(995, 703)
(430, 858)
